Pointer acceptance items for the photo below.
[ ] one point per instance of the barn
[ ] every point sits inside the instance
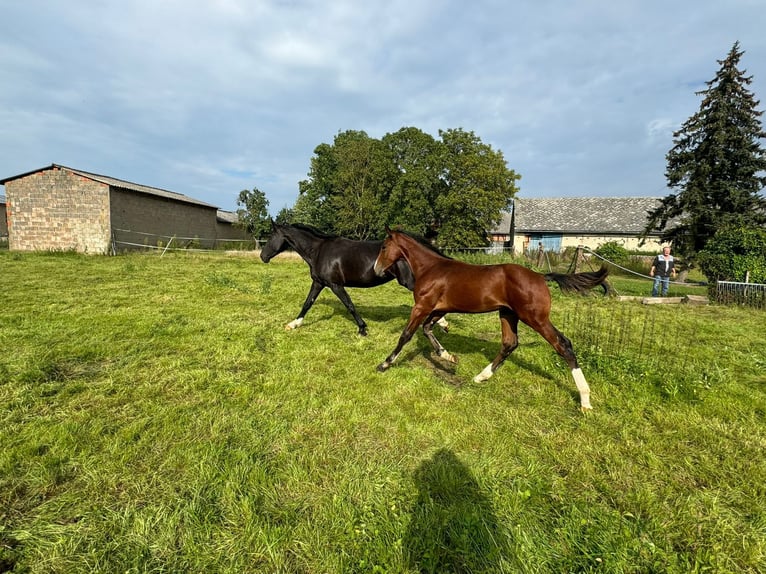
(64, 209)
(564, 222)
(3, 221)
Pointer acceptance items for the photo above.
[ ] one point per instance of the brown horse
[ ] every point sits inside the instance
(444, 285)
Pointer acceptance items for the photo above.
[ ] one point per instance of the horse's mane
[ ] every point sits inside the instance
(312, 230)
(323, 235)
(424, 242)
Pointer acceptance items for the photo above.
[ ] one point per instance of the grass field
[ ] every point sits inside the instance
(156, 417)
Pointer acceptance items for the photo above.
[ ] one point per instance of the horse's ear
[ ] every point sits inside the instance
(388, 229)
(273, 225)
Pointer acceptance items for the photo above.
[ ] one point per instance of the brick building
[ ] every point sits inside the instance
(60, 208)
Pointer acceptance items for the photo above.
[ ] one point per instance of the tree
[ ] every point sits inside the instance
(255, 215)
(363, 176)
(412, 201)
(716, 165)
(347, 188)
(456, 187)
(285, 216)
(313, 205)
(478, 187)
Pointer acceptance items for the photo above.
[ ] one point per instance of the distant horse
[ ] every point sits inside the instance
(445, 285)
(334, 262)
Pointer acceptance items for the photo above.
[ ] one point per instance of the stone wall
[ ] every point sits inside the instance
(56, 210)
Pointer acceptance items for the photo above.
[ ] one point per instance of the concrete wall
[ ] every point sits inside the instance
(143, 219)
(57, 210)
(226, 231)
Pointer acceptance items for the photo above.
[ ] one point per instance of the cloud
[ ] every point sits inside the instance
(211, 97)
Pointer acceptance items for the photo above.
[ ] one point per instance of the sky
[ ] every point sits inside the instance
(210, 97)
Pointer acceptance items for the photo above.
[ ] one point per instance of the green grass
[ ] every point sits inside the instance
(156, 417)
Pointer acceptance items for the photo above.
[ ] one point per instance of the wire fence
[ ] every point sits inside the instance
(128, 239)
(725, 292)
(636, 338)
(735, 293)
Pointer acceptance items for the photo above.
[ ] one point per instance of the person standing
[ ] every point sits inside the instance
(663, 267)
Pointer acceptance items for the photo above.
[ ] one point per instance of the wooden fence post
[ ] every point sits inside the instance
(578, 258)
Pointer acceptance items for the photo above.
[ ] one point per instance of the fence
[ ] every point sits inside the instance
(126, 239)
(732, 292)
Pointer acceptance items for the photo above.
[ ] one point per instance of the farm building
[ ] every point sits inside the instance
(226, 228)
(60, 208)
(3, 221)
(571, 221)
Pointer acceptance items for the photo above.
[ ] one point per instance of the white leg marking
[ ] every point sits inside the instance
(484, 375)
(443, 324)
(447, 356)
(294, 324)
(582, 386)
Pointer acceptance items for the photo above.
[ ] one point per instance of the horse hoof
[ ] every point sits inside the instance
(585, 409)
(383, 367)
(449, 357)
(484, 375)
(363, 332)
(293, 324)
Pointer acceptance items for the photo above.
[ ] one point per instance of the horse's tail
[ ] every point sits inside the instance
(581, 282)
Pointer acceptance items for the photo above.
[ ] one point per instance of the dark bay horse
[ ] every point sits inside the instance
(445, 285)
(334, 262)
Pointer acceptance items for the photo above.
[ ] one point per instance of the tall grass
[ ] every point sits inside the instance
(156, 417)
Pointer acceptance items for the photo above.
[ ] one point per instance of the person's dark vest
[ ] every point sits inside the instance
(659, 265)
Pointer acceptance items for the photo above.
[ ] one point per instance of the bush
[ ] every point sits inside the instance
(733, 253)
(612, 251)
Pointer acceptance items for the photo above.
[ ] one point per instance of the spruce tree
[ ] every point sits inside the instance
(716, 165)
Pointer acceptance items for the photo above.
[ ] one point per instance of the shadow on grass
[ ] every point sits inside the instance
(455, 342)
(460, 345)
(328, 306)
(453, 526)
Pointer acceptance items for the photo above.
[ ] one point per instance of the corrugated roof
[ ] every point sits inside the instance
(227, 216)
(504, 226)
(583, 214)
(119, 183)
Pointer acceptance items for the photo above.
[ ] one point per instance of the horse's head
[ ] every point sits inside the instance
(276, 244)
(390, 252)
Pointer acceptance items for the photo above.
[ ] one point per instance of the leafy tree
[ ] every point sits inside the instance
(313, 205)
(412, 200)
(254, 216)
(734, 254)
(478, 187)
(457, 187)
(716, 165)
(347, 188)
(285, 216)
(363, 176)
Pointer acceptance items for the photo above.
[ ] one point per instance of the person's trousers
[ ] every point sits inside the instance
(665, 284)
